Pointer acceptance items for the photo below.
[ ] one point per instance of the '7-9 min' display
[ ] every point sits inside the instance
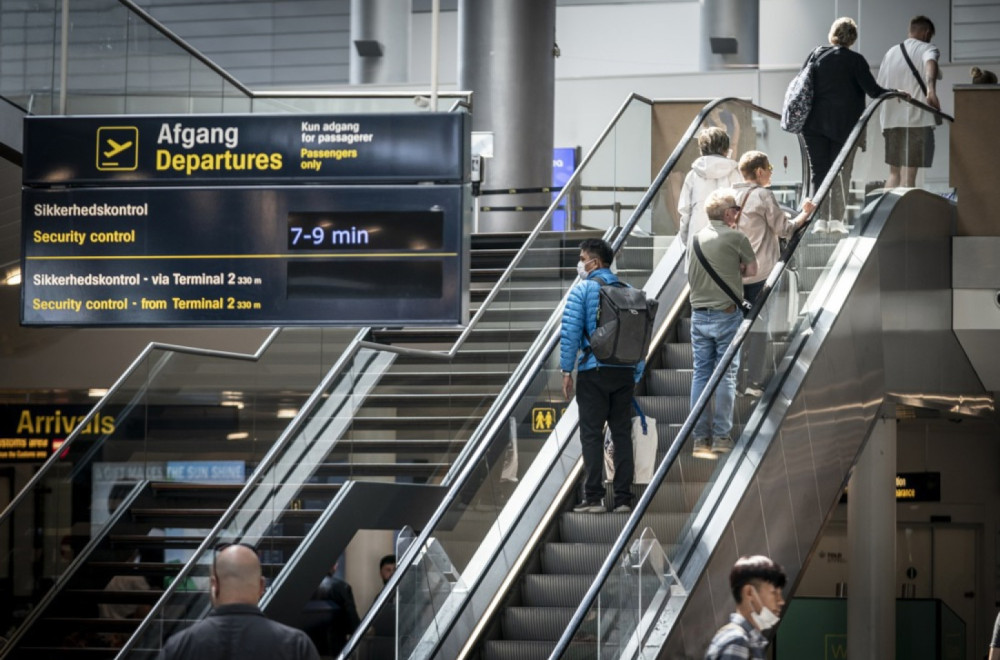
(367, 230)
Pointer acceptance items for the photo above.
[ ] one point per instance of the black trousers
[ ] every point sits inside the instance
(822, 151)
(605, 395)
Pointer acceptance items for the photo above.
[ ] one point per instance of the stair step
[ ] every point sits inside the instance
(677, 356)
(569, 558)
(605, 527)
(536, 623)
(666, 382)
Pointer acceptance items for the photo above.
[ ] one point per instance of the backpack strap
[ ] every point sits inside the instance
(916, 74)
(741, 303)
(641, 415)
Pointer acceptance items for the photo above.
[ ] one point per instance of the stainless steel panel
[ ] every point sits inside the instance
(795, 470)
(923, 354)
(974, 262)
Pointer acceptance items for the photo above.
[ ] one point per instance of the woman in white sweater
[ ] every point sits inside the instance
(713, 169)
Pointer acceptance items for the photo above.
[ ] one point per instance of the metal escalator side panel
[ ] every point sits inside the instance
(779, 494)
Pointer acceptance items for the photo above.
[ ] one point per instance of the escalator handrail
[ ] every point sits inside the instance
(632, 524)
(54, 459)
(479, 443)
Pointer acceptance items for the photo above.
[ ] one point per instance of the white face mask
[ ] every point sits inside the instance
(765, 619)
(581, 268)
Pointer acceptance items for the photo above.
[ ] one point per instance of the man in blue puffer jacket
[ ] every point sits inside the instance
(603, 392)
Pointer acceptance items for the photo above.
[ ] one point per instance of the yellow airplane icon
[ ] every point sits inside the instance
(116, 148)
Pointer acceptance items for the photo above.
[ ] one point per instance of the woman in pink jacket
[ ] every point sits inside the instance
(764, 222)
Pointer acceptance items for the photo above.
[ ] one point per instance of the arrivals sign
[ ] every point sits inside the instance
(30, 433)
(246, 220)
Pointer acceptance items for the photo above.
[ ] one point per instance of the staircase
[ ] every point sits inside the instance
(409, 428)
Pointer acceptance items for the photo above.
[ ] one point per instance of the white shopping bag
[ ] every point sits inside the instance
(644, 441)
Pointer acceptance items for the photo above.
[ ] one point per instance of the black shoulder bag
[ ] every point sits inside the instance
(916, 74)
(743, 304)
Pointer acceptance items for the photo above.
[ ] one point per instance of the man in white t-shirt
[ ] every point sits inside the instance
(908, 130)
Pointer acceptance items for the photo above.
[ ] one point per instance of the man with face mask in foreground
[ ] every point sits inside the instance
(756, 583)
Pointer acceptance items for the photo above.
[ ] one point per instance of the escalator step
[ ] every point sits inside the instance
(666, 382)
(527, 650)
(672, 409)
(677, 356)
(674, 497)
(569, 558)
(555, 590)
(604, 528)
(536, 623)
(684, 330)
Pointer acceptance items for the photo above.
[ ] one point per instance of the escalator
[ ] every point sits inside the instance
(437, 595)
(517, 594)
(838, 364)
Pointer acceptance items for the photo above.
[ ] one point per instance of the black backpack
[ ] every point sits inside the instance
(624, 325)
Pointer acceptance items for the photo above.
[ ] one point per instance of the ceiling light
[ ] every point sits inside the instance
(232, 404)
(239, 435)
(97, 392)
(287, 413)
(13, 277)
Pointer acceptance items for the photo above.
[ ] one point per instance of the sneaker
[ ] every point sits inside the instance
(722, 444)
(702, 448)
(837, 227)
(589, 507)
(819, 226)
(622, 508)
(755, 390)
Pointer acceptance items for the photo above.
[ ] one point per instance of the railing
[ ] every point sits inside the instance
(170, 407)
(112, 57)
(776, 320)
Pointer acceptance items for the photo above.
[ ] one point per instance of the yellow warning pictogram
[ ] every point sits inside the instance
(117, 148)
(543, 420)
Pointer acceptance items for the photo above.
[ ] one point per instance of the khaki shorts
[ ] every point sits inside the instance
(909, 147)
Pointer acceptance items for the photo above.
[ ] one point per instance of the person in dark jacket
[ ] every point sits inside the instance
(236, 628)
(603, 392)
(843, 78)
(330, 616)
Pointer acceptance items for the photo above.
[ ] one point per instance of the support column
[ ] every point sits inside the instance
(730, 33)
(505, 57)
(871, 542)
(380, 41)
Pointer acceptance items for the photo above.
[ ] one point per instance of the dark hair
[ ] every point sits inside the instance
(598, 248)
(388, 559)
(922, 22)
(751, 570)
